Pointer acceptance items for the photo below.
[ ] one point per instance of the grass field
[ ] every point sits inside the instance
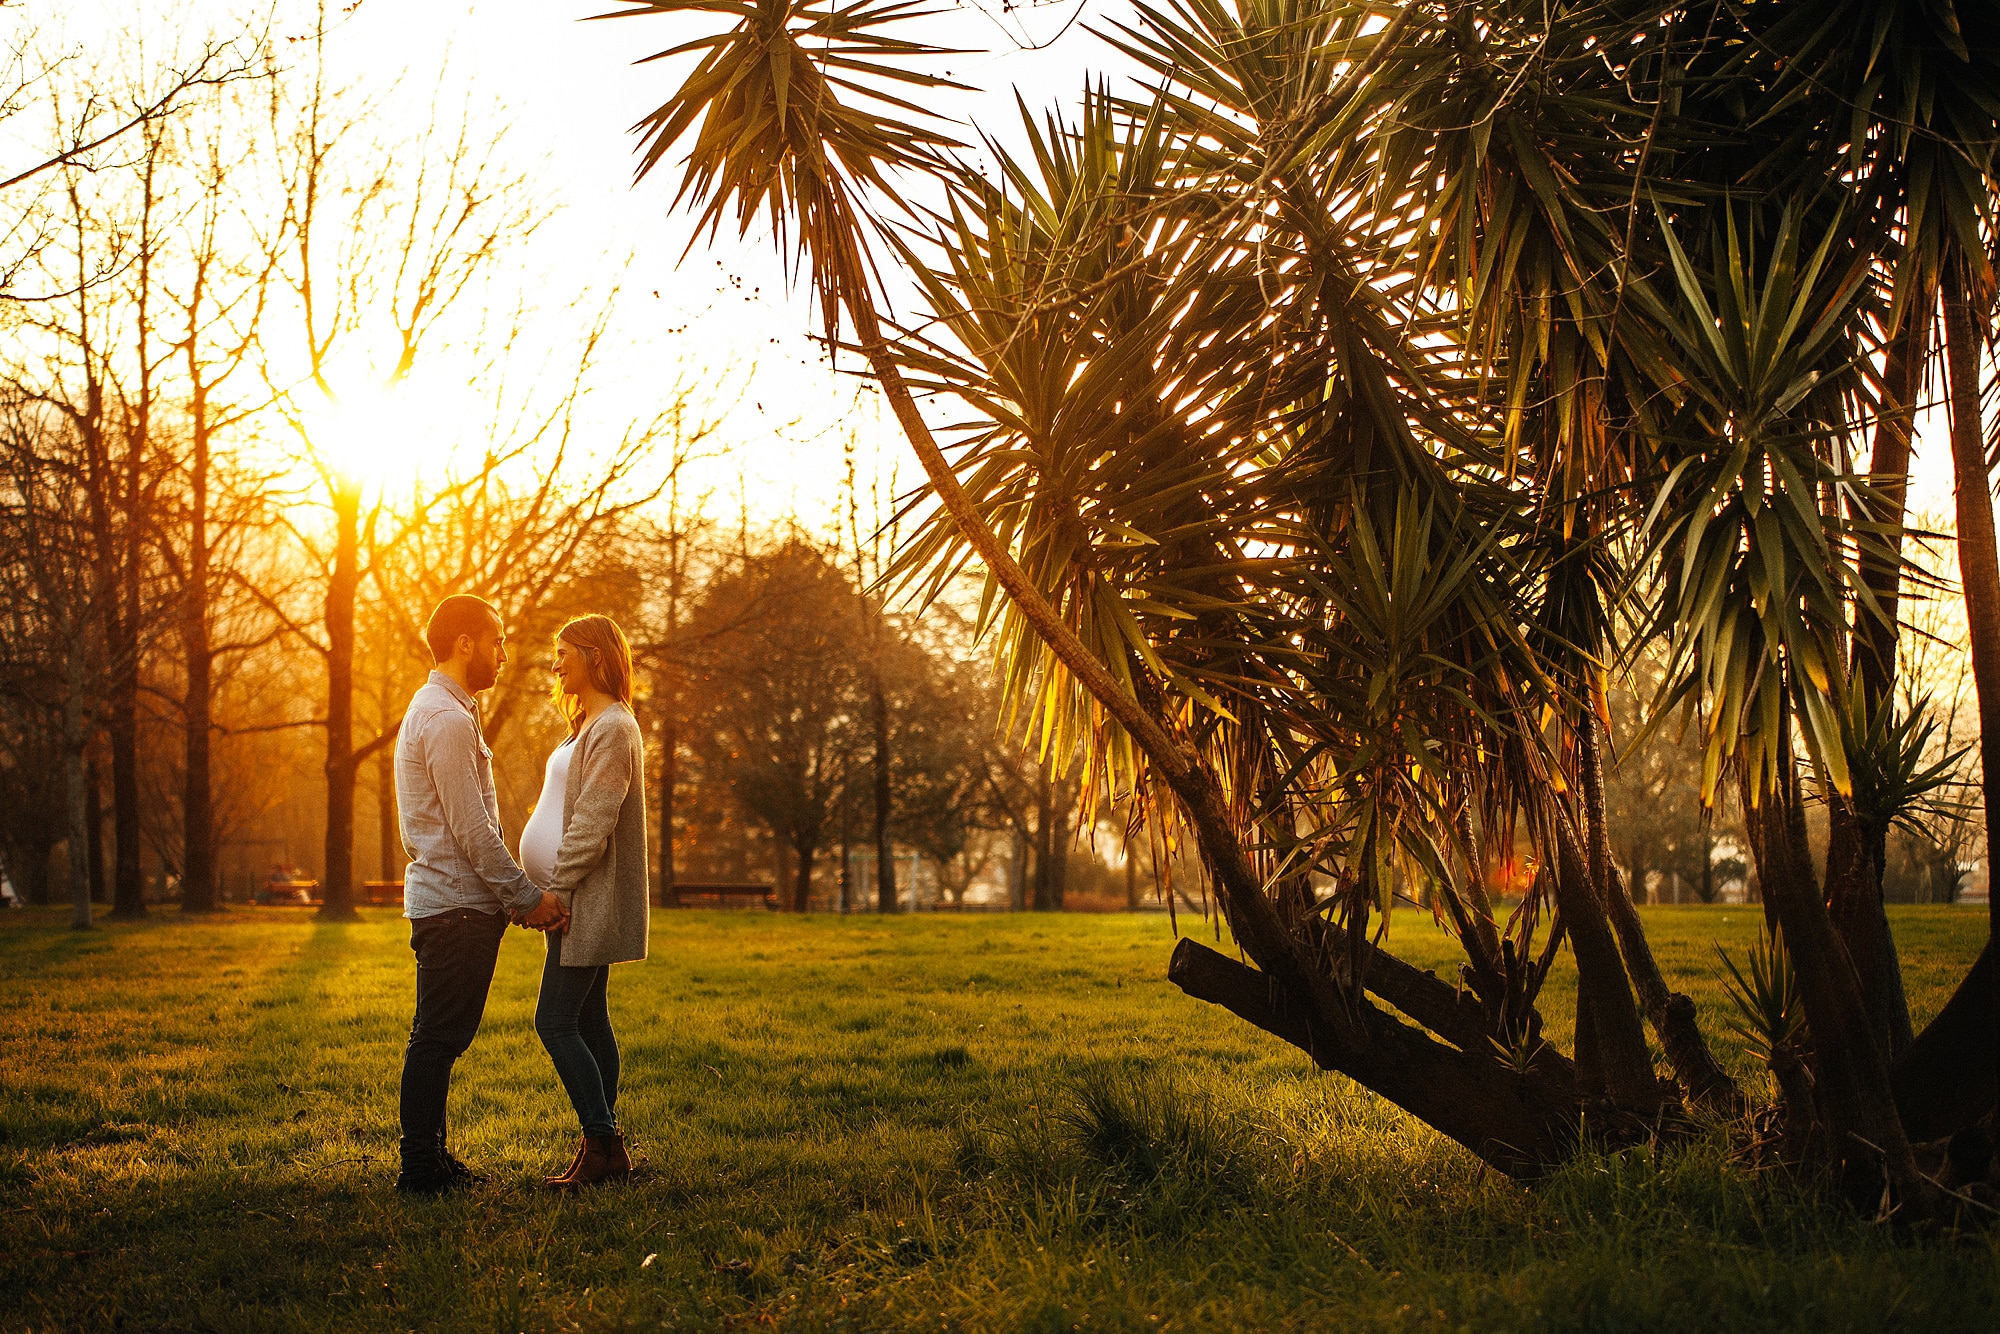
(990, 1123)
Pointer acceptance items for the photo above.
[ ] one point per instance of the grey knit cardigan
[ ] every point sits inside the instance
(601, 866)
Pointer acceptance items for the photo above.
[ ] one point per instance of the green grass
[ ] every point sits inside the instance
(993, 1123)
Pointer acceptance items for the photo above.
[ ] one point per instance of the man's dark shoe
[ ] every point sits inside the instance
(460, 1174)
(436, 1181)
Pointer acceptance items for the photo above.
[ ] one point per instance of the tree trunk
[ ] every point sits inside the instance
(198, 870)
(1946, 1080)
(1671, 1014)
(846, 854)
(1045, 809)
(803, 852)
(1131, 877)
(1857, 851)
(93, 796)
(1707, 886)
(1059, 841)
(32, 876)
(75, 738)
(1864, 1131)
(389, 834)
(1605, 1010)
(1902, 381)
(670, 745)
(1854, 901)
(1017, 873)
(1978, 562)
(1522, 1123)
(337, 880)
(885, 850)
(128, 879)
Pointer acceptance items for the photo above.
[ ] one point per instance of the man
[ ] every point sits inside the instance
(461, 887)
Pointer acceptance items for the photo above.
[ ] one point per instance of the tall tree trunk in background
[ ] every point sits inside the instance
(670, 745)
(337, 881)
(1017, 872)
(389, 834)
(198, 870)
(1978, 561)
(885, 846)
(128, 884)
(1045, 819)
(1131, 877)
(1061, 831)
(93, 796)
(803, 851)
(846, 854)
(75, 738)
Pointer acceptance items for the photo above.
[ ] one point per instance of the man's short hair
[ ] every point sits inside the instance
(459, 614)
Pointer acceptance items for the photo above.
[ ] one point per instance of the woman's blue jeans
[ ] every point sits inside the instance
(575, 1027)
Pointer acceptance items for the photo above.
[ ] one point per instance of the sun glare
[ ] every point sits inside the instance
(386, 437)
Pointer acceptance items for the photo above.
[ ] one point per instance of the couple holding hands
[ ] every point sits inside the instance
(580, 880)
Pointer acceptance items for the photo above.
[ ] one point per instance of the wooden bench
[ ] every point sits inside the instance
(289, 893)
(382, 893)
(722, 891)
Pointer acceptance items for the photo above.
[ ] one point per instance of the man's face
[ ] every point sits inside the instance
(489, 655)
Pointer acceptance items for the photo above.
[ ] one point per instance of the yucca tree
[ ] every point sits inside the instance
(1318, 419)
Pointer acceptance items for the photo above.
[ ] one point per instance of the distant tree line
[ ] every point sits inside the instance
(223, 284)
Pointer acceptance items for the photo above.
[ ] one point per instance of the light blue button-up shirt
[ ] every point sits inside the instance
(450, 814)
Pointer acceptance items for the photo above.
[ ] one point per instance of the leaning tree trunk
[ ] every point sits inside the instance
(1978, 561)
(337, 880)
(1521, 1121)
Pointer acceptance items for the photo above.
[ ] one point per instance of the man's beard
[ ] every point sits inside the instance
(484, 672)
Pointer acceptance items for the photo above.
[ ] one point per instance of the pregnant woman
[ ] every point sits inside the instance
(586, 843)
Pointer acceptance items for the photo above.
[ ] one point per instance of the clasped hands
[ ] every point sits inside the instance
(548, 915)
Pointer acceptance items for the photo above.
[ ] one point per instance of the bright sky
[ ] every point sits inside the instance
(576, 92)
(572, 90)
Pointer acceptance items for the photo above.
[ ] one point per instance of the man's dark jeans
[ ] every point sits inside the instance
(455, 955)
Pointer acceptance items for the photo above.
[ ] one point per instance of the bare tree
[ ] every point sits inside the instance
(60, 588)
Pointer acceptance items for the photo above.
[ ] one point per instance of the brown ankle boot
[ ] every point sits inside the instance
(581, 1145)
(603, 1159)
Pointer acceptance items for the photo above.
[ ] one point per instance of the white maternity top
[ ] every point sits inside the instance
(542, 839)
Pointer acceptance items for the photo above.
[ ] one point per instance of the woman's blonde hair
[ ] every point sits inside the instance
(606, 655)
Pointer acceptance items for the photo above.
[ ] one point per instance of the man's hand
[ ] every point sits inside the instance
(548, 915)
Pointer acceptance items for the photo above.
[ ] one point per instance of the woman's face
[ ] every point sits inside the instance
(572, 667)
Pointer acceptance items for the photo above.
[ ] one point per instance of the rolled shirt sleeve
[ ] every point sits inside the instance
(455, 756)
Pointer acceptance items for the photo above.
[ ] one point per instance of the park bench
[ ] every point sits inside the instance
(382, 893)
(721, 891)
(289, 893)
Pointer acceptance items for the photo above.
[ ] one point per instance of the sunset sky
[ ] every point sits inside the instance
(571, 90)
